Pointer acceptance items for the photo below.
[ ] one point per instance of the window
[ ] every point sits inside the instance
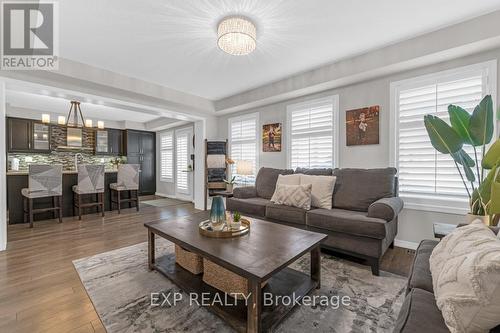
(167, 157)
(312, 133)
(429, 180)
(182, 151)
(243, 145)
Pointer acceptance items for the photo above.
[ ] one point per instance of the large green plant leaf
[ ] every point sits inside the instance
(460, 120)
(443, 138)
(484, 190)
(492, 157)
(481, 122)
(462, 158)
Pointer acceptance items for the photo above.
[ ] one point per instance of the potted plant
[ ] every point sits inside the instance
(230, 184)
(481, 180)
(236, 221)
(117, 161)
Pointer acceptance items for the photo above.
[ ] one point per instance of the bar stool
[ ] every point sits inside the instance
(90, 182)
(44, 181)
(128, 180)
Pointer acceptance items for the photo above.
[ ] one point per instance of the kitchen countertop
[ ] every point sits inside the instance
(66, 172)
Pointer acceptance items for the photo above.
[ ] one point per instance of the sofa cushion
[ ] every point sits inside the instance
(286, 214)
(315, 172)
(266, 181)
(252, 206)
(293, 195)
(357, 189)
(420, 313)
(420, 274)
(293, 179)
(465, 268)
(322, 189)
(349, 222)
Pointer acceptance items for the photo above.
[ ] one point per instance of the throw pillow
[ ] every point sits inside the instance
(293, 179)
(293, 195)
(322, 190)
(465, 269)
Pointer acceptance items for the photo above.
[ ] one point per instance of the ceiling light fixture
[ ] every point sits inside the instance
(237, 35)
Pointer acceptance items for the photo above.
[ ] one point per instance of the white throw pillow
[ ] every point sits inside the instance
(465, 269)
(293, 195)
(322, 189)
(293, 179)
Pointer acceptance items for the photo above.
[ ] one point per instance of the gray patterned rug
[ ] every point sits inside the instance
(120, 286)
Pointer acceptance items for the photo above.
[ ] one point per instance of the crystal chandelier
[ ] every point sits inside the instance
(236, 35)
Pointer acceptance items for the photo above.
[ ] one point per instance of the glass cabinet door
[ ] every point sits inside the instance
(102, 142)
(41, 136)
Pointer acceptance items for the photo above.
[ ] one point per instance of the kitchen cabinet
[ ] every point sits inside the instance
(26, 135)
(140, 149)
(109, 142)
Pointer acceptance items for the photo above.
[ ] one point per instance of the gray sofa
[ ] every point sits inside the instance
(419, 312)
(364, 216)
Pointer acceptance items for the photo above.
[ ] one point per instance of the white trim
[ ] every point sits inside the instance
(489, 68)
(253, 115)
(405, 244)
(334, 99)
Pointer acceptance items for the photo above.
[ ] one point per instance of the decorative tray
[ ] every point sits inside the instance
(227, 232)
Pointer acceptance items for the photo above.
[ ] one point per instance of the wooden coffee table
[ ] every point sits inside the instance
(261, 255)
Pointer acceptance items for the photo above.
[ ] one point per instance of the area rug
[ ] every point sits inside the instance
(120, 286)
(164, 202)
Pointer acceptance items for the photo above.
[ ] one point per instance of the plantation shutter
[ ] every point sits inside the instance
(311, 127)
(182, 162)
(425, 173)
(243, 145)
(167, 156)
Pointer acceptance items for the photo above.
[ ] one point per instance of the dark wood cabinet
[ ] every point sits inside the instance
(115, 141)
(141, 149)
(26, 135)
(109, 142)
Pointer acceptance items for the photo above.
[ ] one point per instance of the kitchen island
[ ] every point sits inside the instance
(17, 180)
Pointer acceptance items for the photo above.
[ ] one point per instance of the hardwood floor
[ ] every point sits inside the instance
(40, 290)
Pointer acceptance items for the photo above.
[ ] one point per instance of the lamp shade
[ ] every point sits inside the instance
(244, 168)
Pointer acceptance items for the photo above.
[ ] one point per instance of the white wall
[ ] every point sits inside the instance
(414, 225)
(3, 177)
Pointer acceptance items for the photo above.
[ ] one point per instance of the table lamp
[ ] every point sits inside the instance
(244, 168)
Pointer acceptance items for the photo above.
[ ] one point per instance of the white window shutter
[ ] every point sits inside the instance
(312, 133)
(167, 156)
(427, 177)
(243, 143)
(182, 162)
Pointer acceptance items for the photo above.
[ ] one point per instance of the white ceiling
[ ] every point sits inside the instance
(173, 43)
(61, 104)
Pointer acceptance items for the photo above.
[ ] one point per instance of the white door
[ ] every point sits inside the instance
(184, 171)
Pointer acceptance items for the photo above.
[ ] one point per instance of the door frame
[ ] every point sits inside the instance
(180, 194)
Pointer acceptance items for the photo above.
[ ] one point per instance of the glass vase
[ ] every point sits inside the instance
(218, 213)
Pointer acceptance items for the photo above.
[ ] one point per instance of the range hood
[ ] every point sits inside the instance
(74, 139)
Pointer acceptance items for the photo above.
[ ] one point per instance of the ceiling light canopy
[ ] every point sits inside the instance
(236, 35)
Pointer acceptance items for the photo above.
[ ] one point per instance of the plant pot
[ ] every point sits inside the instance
(471, 217)
(229, 187)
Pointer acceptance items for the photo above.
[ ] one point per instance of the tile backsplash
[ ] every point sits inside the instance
(67, 159)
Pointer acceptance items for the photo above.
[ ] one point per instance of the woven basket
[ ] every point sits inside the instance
(188, 260)
(225, 280)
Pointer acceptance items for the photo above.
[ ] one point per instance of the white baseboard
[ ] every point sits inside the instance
(165, 195)
(405, 244)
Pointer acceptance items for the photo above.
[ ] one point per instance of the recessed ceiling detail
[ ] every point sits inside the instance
(237, 35)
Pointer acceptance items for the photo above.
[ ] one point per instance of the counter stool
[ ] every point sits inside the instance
(44, 181)
(90, 182)
(128, 180)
